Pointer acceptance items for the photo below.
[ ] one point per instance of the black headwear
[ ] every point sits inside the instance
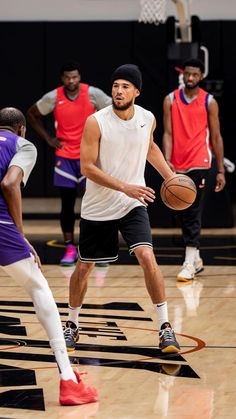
(129, 72)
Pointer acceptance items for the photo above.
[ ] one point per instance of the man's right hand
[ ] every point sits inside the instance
(144, 194)
(54, 142)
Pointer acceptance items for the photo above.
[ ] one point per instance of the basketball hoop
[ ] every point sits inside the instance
(153, 11)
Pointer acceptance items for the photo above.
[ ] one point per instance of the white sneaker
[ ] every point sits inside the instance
(198, 265)
(187, 272)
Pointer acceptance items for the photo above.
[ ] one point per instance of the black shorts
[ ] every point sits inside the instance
(99, 240)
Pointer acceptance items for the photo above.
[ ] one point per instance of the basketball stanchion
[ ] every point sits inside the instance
(153, 11)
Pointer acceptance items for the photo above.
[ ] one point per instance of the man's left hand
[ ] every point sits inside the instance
(220, 182)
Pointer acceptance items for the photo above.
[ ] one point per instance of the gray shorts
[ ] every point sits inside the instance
(99, 240)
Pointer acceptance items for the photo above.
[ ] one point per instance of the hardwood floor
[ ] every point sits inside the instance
(119, 348)
(118, 344)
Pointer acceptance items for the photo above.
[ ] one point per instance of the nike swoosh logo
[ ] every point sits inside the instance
(61, 102)
(142, 125)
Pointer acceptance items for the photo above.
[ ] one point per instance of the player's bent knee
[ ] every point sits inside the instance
(145, 257)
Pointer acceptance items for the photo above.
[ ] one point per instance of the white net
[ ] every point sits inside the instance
(153, 11)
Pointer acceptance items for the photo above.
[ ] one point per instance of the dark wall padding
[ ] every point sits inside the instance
(32, 53)
(22, 81)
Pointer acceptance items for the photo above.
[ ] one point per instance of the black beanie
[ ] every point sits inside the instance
(129, 72)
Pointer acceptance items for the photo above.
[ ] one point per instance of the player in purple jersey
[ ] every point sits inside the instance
(20, 260)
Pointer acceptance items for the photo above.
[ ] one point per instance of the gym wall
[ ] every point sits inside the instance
(32, 53)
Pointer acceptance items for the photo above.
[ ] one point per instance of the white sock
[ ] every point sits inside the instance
(74, 315)
(197, 255)
(190, 254)
(62, 359)
(162, 313)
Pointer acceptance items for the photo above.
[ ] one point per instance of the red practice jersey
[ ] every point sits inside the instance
(191, 144)
(70, 117)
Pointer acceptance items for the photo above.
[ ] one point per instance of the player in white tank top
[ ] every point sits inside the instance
(122, 155)
(116, 144)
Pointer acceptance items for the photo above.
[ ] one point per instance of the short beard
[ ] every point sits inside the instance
(122, 107)
(71, 89)
(193, 86)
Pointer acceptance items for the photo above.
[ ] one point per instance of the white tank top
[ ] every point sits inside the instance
(122, 154)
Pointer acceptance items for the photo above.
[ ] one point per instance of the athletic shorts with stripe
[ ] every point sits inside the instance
(99, 240)
(67, 173)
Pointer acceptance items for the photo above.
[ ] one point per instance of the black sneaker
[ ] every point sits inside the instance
(71, 335)
(168, 343)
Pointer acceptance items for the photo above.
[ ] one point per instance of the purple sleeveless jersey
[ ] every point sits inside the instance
(13, 247)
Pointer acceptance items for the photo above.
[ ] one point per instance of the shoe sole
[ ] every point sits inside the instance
(170, 350)
(172, 370)
(197, 271)
(182, 284)
(70, 350)
(73, 401)
(182, 279)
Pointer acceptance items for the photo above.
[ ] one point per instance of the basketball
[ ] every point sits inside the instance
(178, 192)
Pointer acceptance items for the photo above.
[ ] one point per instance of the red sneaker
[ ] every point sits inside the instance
(72, 393)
